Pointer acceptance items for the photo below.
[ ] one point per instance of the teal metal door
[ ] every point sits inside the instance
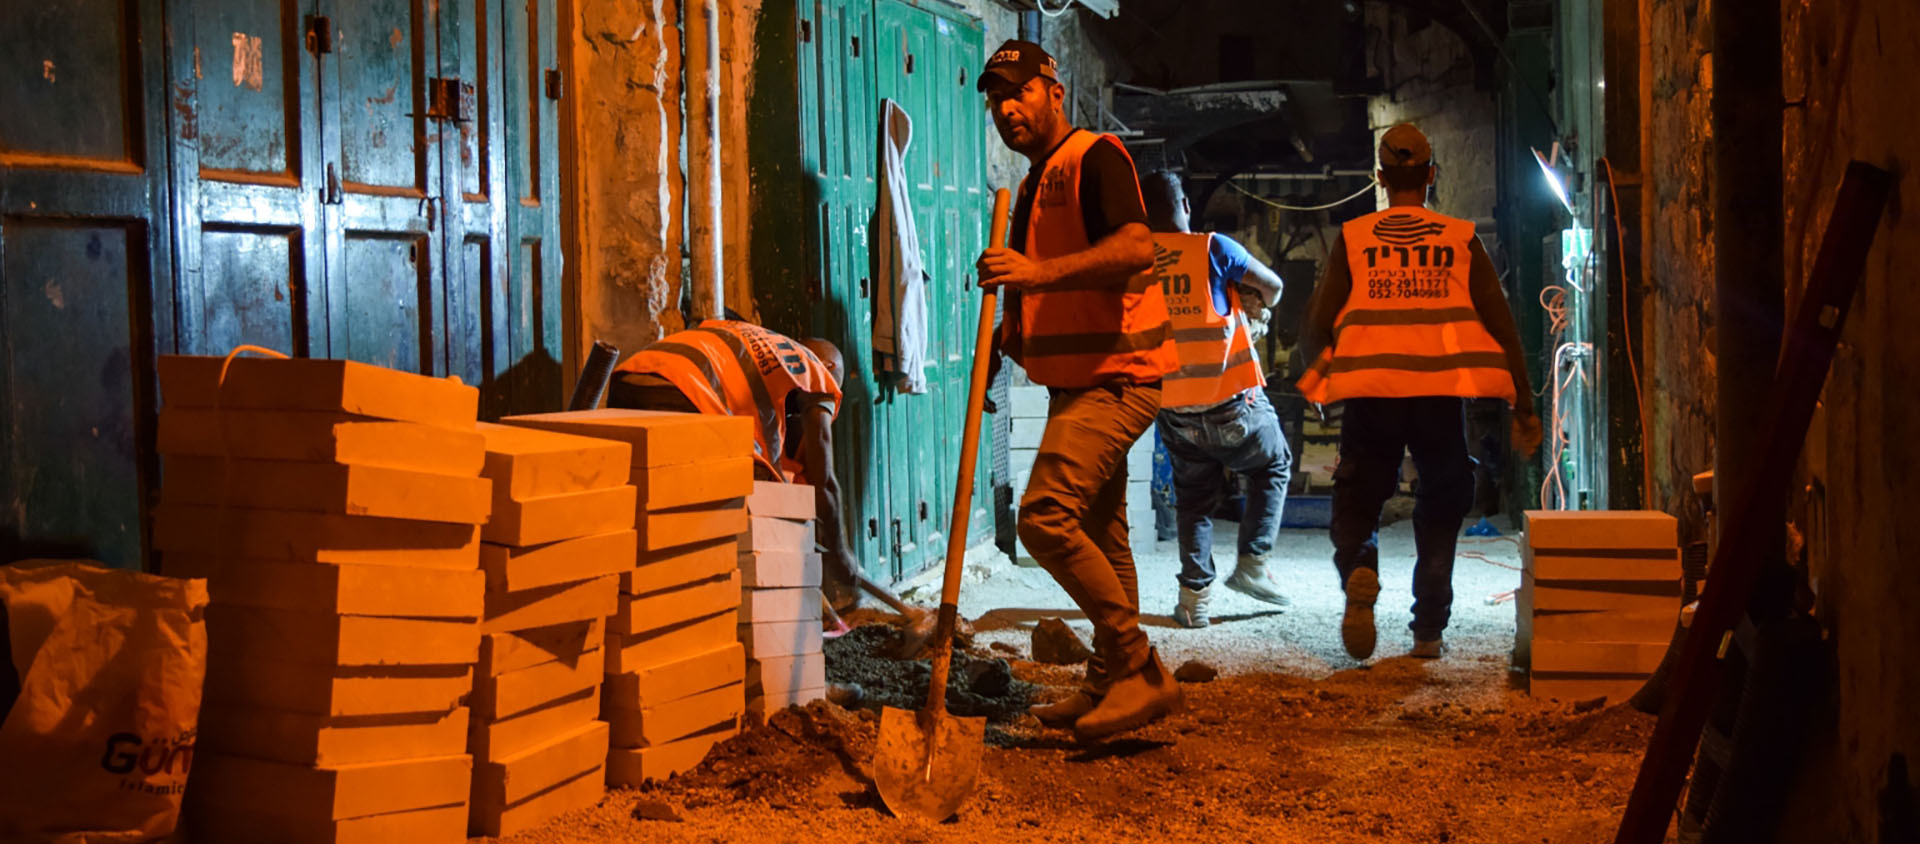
(85, 268)
(364, 179)
(899, 453)
(347, 193)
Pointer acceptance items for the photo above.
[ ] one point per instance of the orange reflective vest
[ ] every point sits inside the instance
(1089, 333)
(1216, 354)
(1409, 327)
(741, 369)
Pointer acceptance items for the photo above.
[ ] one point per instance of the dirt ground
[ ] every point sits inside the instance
(1312, 749)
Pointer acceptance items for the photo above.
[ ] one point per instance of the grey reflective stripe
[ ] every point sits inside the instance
(1207, 370)
(762, 400)
(1423, 363)
(1203, 335)
(699, 360)
(1097, 343)
(1407, 316)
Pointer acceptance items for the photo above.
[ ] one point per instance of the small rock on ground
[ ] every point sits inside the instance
(1056, 643)
(1195, 671)
(656, 810)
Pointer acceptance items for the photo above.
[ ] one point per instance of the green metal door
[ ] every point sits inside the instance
(898, 453)
(836, 49)
(85, 269)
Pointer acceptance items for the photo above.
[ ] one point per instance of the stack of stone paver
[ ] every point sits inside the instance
(335, 509)
(1598, 601)
(675, 674)
(780, 600)
(561, 536)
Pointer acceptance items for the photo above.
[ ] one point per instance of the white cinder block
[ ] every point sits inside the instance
(1029, 402)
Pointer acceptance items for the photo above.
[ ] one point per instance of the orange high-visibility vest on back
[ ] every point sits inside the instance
(1216, 354)
(1409, 327)
(1084, 334)
(740, 369)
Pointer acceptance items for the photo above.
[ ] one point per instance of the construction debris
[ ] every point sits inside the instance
(1195, 671)
(1056, 643)
(978, 684)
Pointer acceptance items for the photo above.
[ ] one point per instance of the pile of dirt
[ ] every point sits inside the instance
(801, 757)
(978, 684)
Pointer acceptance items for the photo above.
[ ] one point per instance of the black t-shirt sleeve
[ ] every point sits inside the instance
(1109, 190)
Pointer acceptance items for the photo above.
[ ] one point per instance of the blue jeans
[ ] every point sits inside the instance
(1374, 433)
(1243, 437)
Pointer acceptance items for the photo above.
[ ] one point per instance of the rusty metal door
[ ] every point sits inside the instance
(85, 270)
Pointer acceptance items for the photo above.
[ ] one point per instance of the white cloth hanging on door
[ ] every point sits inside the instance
(899, 272)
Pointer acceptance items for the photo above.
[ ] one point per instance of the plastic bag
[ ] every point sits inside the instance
(98, 744)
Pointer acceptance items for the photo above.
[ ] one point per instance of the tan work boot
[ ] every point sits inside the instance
(1061, 714)
(1134, 701)
(1357, 631)
(1250, 578)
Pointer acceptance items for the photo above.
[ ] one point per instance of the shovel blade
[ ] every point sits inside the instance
(928, 762)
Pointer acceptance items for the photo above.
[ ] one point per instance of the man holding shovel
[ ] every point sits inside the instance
(1087, 323)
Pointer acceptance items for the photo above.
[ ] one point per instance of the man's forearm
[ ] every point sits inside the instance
(1262, 280)
(1122, 254)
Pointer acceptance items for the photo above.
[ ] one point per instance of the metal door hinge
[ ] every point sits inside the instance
(449, 98)
(556, 84)
(319, 34)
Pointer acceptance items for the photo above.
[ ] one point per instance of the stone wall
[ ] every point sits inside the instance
(1679, 294)
(626, 184)
(1854, 65)
(1849, 71)
(1429, 81)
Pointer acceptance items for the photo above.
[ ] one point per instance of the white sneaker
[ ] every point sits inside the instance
(1192, 609)
(1250, 578)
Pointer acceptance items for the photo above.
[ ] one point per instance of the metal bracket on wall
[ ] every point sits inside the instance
(449, 98)
(319, 34)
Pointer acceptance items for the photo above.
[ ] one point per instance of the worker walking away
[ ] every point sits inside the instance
(791, 389)
(1408, 321)
(1087, 322)
(1215, 416)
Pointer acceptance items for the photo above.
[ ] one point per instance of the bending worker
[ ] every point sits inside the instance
(1407, 322)
(1215, 416)
(791, 389)
(1089, 326)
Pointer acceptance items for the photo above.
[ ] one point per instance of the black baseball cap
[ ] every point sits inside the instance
(1018, 62)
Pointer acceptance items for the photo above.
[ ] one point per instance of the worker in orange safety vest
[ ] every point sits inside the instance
(1408, 321)
(1086, 322)
(1215, 416)
(789, 388)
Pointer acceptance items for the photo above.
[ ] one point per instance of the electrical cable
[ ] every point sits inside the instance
(1626, 333)
(1042, 6)
(1371, 184)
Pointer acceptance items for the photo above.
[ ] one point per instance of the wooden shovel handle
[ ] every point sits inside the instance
(963, 486)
